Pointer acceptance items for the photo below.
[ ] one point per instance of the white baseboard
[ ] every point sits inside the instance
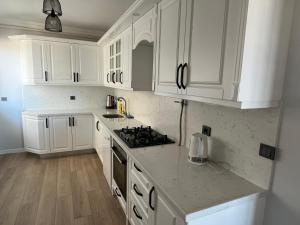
(11, 151)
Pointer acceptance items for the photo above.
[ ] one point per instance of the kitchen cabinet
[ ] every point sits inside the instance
(106, 153)
(36, 134)
(55, 61)
(223, 52)
(98, 138)
(82, 132)
(128, 69)
(50, 134)
(144, 28)
(61, 134)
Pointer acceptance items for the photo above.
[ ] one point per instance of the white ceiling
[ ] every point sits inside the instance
(97, 15)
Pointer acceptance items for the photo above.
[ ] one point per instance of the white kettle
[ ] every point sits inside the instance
(198, 149)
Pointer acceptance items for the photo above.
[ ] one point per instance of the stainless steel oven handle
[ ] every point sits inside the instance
(120, 161)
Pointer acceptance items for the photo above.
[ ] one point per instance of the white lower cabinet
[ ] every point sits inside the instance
(60, 134)
(36, 134)
(57, 133)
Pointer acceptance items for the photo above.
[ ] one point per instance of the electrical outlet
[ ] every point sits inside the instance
(267, 151)
(72, 97)
(3, 99)
(206, 130)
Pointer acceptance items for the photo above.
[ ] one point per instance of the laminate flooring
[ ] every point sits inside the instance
(56, 191)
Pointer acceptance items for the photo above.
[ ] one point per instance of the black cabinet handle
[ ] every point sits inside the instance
(113, 77)
(121, 77)
(182, 75)
(177, 76)
(107, 78)
(136, 213)
(97, 125)
(70, 121)
(117, 193)
(138, 169)
(137, 191)
(46, 76)
(77, 77)
(150, 198)
(73, 121)
(74, 77)
(47, 123)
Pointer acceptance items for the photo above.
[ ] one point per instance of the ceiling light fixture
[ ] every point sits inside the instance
(48, 5)
(53, 23)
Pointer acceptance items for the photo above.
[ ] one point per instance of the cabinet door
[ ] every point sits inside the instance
(62, 62)
(82, 132)
(106, 152)
(169, 51)
(165, 215)
(36, 134)
(126, 59)
(98, 138)
(60, 134)
(205, 37)
(34, 61)
(87, 68)
(106, 65)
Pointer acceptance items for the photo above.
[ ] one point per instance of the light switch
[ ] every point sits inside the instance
(3, 99)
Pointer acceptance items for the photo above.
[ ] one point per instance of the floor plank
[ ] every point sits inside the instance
(57, 191)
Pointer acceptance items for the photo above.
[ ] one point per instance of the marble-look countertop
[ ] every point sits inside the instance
(193, 190)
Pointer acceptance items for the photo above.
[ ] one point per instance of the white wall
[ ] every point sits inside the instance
(283, 205)
(236, 133)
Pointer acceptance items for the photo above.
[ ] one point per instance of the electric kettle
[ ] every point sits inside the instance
(198, 152)
(110, 102)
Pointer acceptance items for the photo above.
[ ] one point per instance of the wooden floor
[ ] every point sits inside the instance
(57, 191)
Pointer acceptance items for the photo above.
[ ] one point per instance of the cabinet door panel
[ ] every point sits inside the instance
(82, 132)
(164, 215)
(206, 34)
(60, 134)
(62, 61)
(168, 45)
(106, 152)
(126, 59)
(33, 61)
(36, 134)
(87, 64)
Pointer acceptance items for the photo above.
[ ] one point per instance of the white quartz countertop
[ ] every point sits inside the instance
(193, 190)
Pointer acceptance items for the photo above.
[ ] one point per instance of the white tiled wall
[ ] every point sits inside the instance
(236, 134)
(58, 97)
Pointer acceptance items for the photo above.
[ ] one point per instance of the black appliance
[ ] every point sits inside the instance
(138, 137)
(119, 170)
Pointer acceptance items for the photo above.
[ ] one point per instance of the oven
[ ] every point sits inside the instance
(119, 172)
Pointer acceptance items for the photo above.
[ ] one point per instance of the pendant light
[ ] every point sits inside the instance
(48, 5)
(53, 22)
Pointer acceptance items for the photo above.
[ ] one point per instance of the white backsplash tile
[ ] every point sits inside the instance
(58, 97)
(236, 134)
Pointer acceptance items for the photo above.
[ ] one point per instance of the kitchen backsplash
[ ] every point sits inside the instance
(57, 97)
(236, 134)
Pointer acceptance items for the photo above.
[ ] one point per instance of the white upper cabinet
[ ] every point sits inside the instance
(144, 28)
(86, 61)
(34, 61)
(168, 54)
(55, 61)
(61, 63)
(223, 52)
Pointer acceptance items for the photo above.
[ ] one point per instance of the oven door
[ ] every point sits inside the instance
(120, 170)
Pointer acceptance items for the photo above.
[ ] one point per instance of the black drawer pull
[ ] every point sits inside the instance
(136, 213)
(47, 123)
(177, 76)
(137, 190)
(182, 75)
(150, 198)
(107, 78)
(138, 169)
(117, 192)
(70, 121)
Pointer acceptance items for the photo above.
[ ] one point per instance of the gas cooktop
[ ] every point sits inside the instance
(137, 137)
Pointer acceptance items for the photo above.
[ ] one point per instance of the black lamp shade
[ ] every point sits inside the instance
(48, 5)
(53, 23)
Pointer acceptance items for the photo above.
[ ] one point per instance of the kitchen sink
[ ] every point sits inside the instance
(112, 116)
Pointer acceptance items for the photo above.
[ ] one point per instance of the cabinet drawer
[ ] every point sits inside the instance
(139, 190)
(137, 214)
(136, 169)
